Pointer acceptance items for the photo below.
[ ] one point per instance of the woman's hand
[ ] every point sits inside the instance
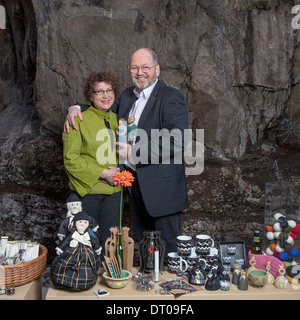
(72, 113)
(107, 175)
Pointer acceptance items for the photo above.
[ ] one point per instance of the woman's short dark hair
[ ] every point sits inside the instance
(103, 76)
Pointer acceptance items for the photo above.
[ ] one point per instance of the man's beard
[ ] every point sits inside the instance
(146, 85)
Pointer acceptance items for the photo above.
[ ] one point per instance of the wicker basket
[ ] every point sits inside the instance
(19, 274)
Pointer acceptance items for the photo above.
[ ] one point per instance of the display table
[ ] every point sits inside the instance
(268, 292)
(30, 291)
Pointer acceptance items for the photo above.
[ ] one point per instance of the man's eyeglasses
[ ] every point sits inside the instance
(101, 92)
(145, 69)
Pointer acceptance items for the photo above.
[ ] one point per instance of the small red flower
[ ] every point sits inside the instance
(124, 178)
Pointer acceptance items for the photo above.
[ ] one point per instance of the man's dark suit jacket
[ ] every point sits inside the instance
(163, 186)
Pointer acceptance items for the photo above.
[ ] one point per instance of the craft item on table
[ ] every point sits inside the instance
(118, 283)
(112, 267)
(184, 245)
(3, 244)
(224, 281)
(226, 260)
(210, 258)
(258, 278)
(176, 263)
(281, 236)
(231, 253)
(152, 242)
(128, 249)
(236, 274)
(262, 262)
(293, 274)
(78, 261)
(282, 282)
(252, 263)
(143, 282)
(212, 284)
(74, 206)
(243, 282)
(15, 252)
(177, 287)
(270, 279)
(10, 291)
(203, 244)
(112, 247)
(214, 276)
(192, 260)
(197, 276)
(101, 293)
(29, 251)
(112, 244)
(231, 250)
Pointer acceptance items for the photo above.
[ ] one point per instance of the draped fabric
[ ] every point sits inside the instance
(77, 267)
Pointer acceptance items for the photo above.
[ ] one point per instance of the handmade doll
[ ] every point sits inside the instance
(243, 282)
(122, 131)
(224, 281)
(214, 276)
(78, 260)
(236, 274)
(197, 275)
(74, 206)
(132, 130)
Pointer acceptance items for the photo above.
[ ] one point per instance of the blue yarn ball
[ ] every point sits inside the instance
(283, 256)
(294, 253)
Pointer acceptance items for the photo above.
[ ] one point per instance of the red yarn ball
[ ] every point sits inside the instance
(293, 235)
(276, 254)
(296, 229)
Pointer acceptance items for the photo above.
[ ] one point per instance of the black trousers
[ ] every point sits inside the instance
(105, 209)
(169, 225)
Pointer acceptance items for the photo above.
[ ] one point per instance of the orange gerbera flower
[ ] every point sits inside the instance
(124, 178)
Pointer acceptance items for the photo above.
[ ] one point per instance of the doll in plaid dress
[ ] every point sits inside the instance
(78, 260)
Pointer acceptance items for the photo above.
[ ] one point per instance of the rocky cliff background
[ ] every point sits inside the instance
(237, 62)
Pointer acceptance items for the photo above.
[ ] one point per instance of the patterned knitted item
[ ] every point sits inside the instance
(262, 261)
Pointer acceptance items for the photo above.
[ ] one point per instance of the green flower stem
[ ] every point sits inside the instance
(120, 228)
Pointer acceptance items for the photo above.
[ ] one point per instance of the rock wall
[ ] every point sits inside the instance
(236, 61)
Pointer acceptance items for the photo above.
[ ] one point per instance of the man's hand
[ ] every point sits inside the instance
(107, 175)
(72, 113)
(124, 151)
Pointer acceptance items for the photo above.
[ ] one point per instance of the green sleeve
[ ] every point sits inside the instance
(83, 171)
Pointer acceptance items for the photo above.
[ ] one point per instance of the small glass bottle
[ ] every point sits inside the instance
(10, 291)
(256, 247)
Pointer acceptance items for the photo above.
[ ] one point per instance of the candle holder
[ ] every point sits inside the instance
(151, 249)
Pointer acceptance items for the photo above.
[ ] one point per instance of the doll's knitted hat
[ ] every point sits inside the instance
(81, 216)
(73, 198)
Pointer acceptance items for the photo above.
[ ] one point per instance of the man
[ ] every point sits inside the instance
(159, 193)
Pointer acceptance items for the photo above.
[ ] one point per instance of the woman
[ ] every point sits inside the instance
(89, 154)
